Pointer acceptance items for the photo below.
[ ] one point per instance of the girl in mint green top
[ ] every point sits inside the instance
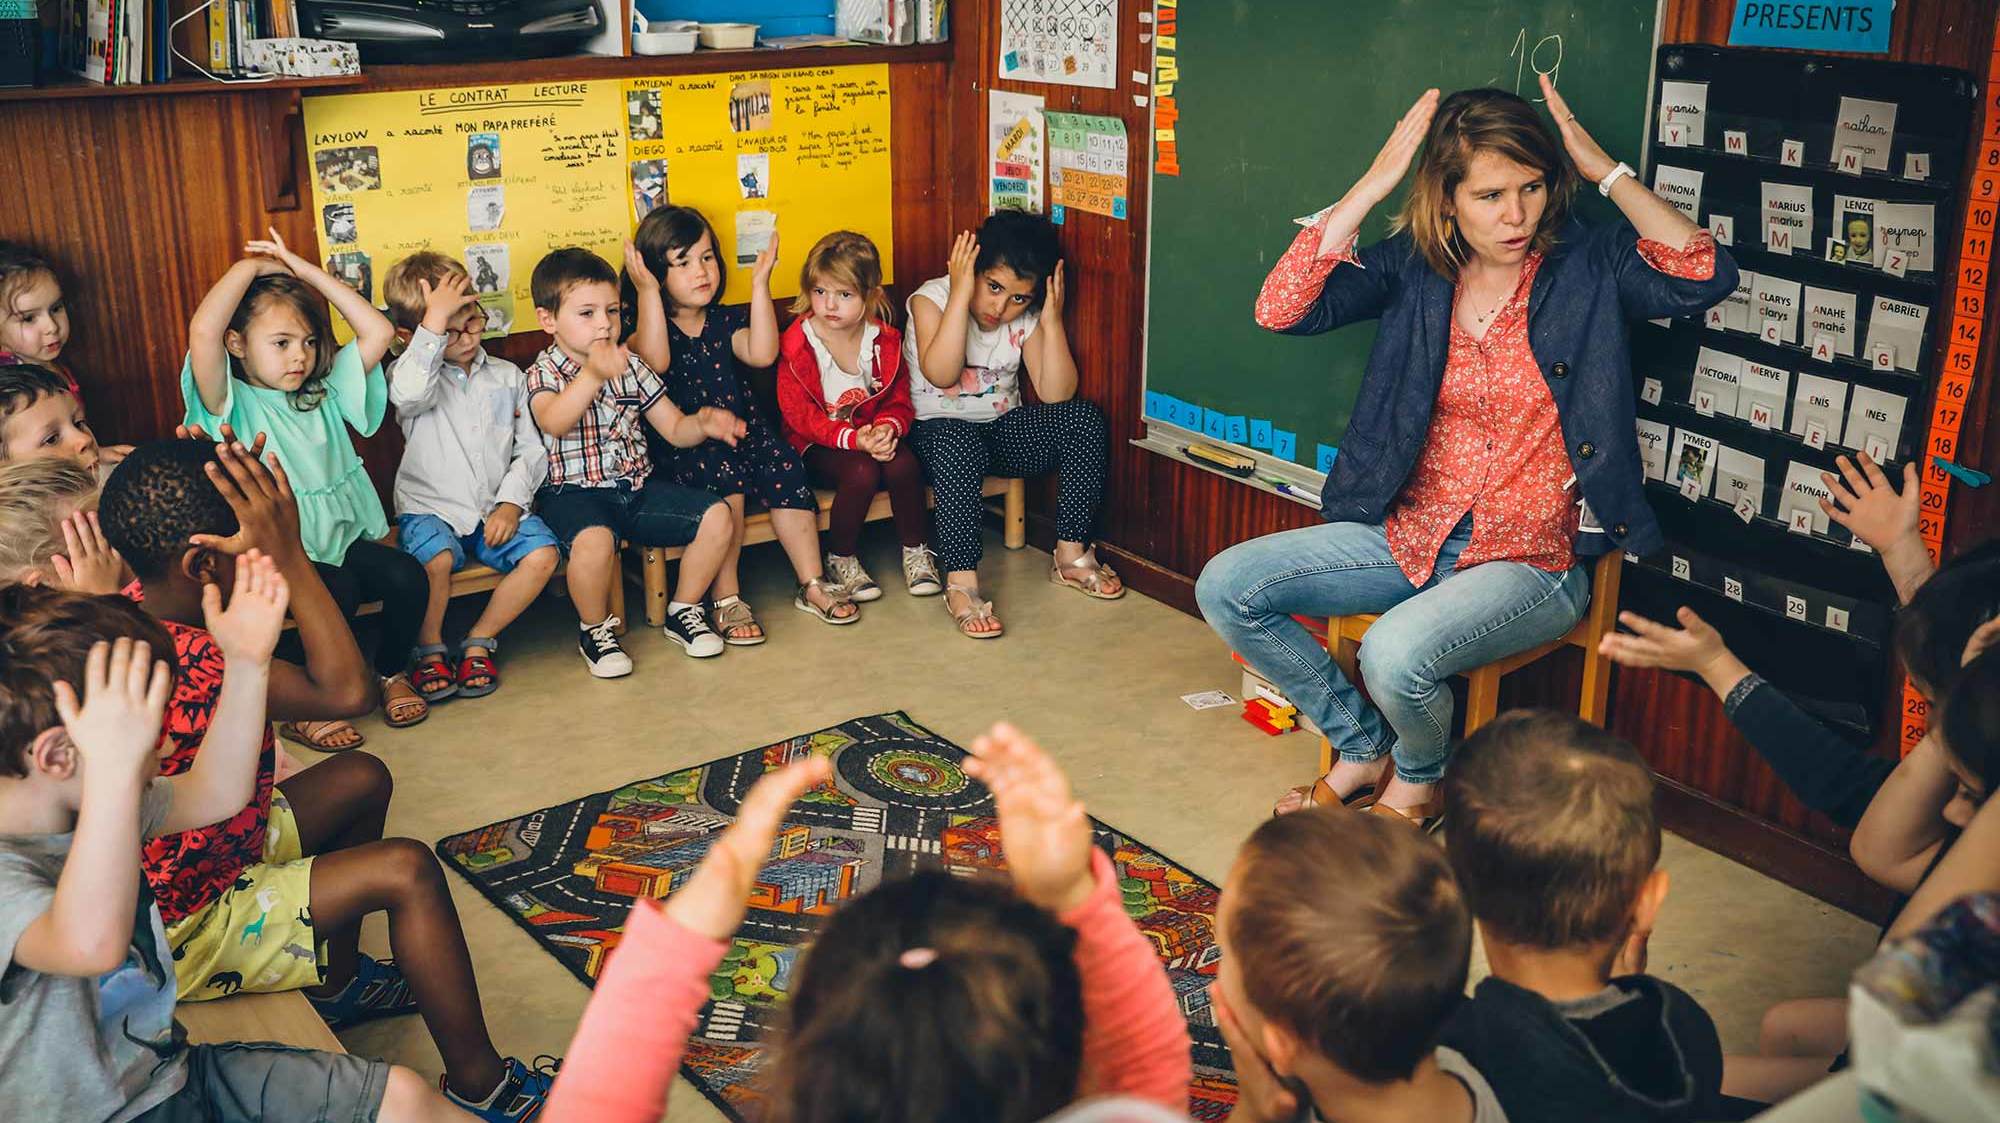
(261, 360)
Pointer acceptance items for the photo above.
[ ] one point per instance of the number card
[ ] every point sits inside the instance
(1682, 572)
(1733, 589)
(1795, 607)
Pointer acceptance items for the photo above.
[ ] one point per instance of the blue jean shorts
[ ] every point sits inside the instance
(658, 514)
(426, 536)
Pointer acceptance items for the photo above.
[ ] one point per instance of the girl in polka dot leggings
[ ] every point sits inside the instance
(972, 333)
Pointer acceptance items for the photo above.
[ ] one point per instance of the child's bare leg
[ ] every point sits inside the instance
(1771, 1079)
(726, 583)
(438, 572)
(514, 594)
(337, 804)
(1804, 1027)
(592, 559)
(409, 1098)
(798, 532)
(400, 876)
(703, 559)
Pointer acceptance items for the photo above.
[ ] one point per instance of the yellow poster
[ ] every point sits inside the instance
(497, 176)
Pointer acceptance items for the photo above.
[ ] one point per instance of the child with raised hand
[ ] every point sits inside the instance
(844, 401)
(593, 400)
(974, 333)
(261, 358)
(472, 461)
(681, 329)
(88, 1024)
(928, 998)
(1338, 976)
(274, 898)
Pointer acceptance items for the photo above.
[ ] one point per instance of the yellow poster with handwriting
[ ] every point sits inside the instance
(497, 176)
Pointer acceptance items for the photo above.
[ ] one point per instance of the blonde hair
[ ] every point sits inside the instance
(401, 292)
(35, 497)
(845, 258)
(1467, 123)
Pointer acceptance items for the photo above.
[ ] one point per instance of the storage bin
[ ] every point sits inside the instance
(774, 18)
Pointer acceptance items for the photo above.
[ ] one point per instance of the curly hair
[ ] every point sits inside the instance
(158, 498)
(45, 636)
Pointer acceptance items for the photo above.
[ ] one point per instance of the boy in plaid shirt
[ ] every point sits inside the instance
(590, 397)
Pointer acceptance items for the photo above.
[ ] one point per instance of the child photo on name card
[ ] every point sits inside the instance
(1767, 386)
(1831, 312)
(1868, 126)
(1693, 458)
(1777, 300)
(1803, 491)
(1873, 413)
(1739, 476)
(1910, 227)
(1653, 440)
(1898, 324)
(1718, 374)
(1821, 401)
(1857, 236)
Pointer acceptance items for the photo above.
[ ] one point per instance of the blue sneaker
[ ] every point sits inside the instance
(377, 990)
(522, 1093)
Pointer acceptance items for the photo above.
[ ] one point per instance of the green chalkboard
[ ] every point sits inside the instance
(1282, 104)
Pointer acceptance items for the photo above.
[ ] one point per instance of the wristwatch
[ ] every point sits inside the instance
(1613, 176)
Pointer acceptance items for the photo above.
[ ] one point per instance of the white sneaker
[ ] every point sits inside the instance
(689, 628)
(846, 572)
(599, 644)
(920, 572)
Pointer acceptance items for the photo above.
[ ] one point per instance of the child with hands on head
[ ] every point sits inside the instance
(681, 329)
(593, 399)
(472, 461)
(973, 333)
(844, 401)
(931, 997)
(261, 358)
(49, 534)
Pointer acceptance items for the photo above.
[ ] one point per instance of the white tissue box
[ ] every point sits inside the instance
(302, 58)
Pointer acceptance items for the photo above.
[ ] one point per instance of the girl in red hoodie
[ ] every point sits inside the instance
(845, 406)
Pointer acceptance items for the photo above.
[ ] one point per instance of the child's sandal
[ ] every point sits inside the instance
(1088, 576)
(731, 614)
(837, 597)
(974, 611)
(431, 675)
(402, 706)
(322, 736)
(477, 667)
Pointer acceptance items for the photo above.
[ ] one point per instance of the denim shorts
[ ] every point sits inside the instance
(659, 514)
(426, 536)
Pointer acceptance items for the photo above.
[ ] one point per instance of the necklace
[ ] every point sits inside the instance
(1494, 308)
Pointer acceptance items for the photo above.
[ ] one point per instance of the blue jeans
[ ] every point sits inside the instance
(1458, 620)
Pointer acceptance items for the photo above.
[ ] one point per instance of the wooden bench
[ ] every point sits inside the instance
(286, 1018)
(653, 560)
(1344, 635)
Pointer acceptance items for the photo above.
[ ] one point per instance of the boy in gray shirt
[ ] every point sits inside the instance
(87, 1028)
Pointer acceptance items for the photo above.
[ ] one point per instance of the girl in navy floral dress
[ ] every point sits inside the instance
(677, 326)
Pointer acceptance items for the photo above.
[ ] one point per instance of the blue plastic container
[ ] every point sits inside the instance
(774, 18)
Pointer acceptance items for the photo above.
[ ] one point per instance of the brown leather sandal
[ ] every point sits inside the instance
(402, 706)
(1319, 793)
(321, 736)
(1427, 816)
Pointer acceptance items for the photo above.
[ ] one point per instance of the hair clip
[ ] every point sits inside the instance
(916, 959)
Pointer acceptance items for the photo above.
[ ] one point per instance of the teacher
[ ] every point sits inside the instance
(1492, 445)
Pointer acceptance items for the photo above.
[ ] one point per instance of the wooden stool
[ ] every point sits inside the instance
(1482, 684)
(286, 1018)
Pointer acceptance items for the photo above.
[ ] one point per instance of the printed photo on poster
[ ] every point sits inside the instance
(649, 186)
(1014, 151)
(499, 310)
(750, 106)
(485, 207)
(482, 156)
(341, 170)
(355, 270)
(642, 115)
(753, 234)
(753, 174)
(341, 227)
(488, 265)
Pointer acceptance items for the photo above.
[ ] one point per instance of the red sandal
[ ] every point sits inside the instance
(431, 675)
(478, 666)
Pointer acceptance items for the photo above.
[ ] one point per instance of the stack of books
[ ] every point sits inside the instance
(128, 42)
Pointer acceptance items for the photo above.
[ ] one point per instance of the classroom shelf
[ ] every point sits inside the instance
(409, 76)
(76, 89)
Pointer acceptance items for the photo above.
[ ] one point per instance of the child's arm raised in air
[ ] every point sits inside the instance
(113, 737)
(649, 338)
(208, 329)
(336, 681)
(629, 1043)
(373, 333)
(224, 775)
(1046, 353)
(757, 345)
(941, 331)
(416, 377)
(1881, 517)
(1135, 1041)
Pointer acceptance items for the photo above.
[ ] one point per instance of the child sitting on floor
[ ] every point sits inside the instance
(1344, 945)
(592, 400)
(844, 400)
(929, 998)
(273, 898)
(472, 461)
(1556, 849)
(682, 329)
(40, 416)
(88, 1023)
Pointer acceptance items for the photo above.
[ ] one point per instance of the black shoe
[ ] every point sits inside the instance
(689, 628)
(599, 644)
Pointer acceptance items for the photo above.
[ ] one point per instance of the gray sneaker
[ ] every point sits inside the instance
(846, 572)
(920, 572)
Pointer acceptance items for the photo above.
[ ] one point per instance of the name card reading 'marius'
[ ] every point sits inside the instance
(1831, 312)
(1789, 207)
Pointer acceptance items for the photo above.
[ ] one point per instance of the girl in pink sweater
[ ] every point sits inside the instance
(933, 997)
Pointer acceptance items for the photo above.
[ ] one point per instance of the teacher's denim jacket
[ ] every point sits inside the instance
(1591, 284)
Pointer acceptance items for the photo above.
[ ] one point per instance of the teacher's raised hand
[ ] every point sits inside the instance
(1391, 164)
(1589, 157)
